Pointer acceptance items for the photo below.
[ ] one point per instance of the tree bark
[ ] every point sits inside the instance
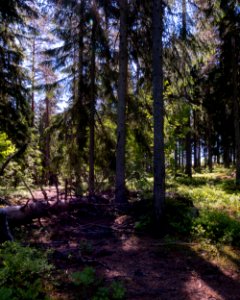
(236, 110)
(25, 214)
(33, 79)
(120, 191)
(188, 169)
(47, 153)
(158, 111)
(92, 105)
(209, 144)
(80, 109)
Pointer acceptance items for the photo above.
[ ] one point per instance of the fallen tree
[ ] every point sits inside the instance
(35, 209)
(22, 214)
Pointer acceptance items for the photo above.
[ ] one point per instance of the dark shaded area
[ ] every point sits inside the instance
(5, 234)
(149, 268)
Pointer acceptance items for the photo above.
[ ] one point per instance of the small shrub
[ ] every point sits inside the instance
(86, 277)
(180, 214)
(101, 294)
(144, 223)
(217, 227)
(117, 290)
(92, 287)
(22, 272)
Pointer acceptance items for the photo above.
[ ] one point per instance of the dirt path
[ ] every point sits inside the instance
(149, 268)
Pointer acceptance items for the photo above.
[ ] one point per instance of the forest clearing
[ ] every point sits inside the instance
(119, 150)
(98, 253)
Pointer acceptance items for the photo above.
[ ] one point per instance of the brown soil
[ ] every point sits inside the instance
(149, 268)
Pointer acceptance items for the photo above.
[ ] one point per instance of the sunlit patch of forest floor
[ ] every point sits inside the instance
(196, 264)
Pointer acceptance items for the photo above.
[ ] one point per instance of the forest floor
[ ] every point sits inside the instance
(148, 267)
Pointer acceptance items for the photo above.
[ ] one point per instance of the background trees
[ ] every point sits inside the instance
(104, 62)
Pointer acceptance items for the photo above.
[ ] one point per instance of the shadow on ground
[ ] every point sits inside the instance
(149, 268)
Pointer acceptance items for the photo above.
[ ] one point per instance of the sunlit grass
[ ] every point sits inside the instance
(211, 191)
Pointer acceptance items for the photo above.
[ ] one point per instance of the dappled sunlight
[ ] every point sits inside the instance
(193, 288)
(131, 243)
(112, 274)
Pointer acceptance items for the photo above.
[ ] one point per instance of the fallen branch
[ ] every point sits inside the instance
(23, 214)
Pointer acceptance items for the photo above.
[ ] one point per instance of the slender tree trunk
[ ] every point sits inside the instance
(209, 145)
(158, 111)
(226, 160)
(176, 154)
(33, 79)
(80, 107)
(199, 154)
(218, 151)
(210, 163)
(92, 108)
(47, 142)
(236, 110)
(120, 192)
(188, 169)
(195, 142)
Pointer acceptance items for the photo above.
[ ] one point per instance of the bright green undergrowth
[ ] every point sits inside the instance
(210, 191)
(218, 201)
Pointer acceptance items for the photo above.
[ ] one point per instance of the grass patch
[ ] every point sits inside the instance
(210, 191)
(217, 227)
(217, 199)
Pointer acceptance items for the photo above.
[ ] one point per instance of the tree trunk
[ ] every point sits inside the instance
(158, 111)
(210, 163)
(226, 160)
(199, 154)
(25, 214)
(33, 79)
(209, 145)
(47, 142)
(195, 142)
(218, 151)
(236, 110)
(188, 169)
(120, 192)
(176, 155)
(80, 109)
(92, 105)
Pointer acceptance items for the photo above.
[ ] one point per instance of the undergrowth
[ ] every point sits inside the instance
(24, 272)
(90, 286)
(205, 208)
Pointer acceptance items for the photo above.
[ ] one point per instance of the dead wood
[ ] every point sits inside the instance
(36, 209)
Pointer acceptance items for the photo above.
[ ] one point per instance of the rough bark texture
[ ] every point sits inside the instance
(33, 79)
(120, 193)
(158, 111)
(188, 169)
(80, 110)
(236, 110)
(92, 108)
(209, 145)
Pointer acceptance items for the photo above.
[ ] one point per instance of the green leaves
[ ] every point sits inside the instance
(92, 287)
(85, 277)
(6, 146)
(22, 272)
